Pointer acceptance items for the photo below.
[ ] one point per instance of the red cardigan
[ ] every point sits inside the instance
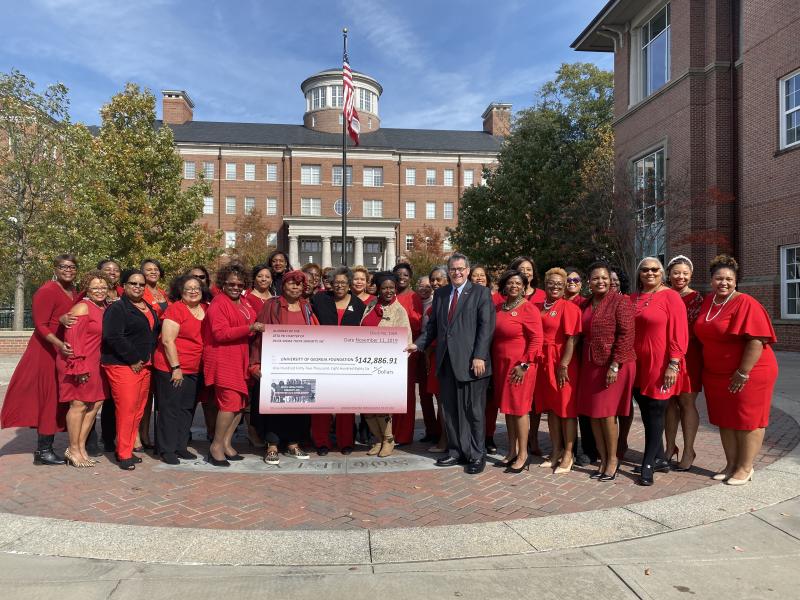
(613, 330)
(226, 333)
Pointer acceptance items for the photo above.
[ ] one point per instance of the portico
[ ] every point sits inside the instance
(370, 242)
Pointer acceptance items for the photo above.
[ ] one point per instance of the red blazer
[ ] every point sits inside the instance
(226, 333)
(613, 330)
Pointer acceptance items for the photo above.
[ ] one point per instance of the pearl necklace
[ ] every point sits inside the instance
(721, 305)
(507, 307)
(552, 304)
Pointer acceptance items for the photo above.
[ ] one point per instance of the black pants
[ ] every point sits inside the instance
(257, 420)
(286, 429)
(653, 412)
(588, 445)
(175, 411)
(108, 424)
(464, 404)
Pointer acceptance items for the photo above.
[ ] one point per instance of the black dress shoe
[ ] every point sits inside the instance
(170, 458)
(491, 447)
(447, 461)
(429, 438)
(660, 466)
(505, 463)
(217, 463)
(236, 456)
(347, 450)
(323, 451)
(186, 455)
(646, 478)
(475, 466)
(47, 457)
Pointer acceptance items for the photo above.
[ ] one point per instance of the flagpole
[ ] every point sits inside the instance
(344, 161)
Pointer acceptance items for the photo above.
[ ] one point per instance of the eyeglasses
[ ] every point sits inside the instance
(458, 269)
(192, 290)
(340, 284)
(649, 269)
(554, 284)
(135, 284)
(101, 290)
(200, 277)
(573, 279)
(67, 268)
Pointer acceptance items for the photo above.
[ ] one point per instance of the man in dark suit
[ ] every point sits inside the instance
(462, 323)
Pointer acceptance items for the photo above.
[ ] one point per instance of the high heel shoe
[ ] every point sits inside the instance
(559, 470)
(216, 463)
(505, 463)
(525, 467)
(672, 454)
(646, 478)
(612, 477)
(677, 467)
(746, 480)
(597, 474)
(721, 476)
(70, 460)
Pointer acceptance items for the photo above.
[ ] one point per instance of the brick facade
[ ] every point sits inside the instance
(732, 188)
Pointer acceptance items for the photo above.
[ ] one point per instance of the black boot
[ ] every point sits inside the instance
(44, 454)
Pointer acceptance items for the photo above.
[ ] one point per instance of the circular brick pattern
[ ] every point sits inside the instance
(263, 498)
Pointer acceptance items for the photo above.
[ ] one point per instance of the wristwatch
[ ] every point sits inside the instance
(615, 369)
(524, 366)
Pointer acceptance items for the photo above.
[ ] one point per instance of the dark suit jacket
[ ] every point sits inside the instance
(127, 337)
(324, 307)
(468, 336)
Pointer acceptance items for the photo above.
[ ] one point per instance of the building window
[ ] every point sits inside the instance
(310, 207)
(409, 242)
(411, 210)
(447, 245)
(430, 210)
(430, 176)
(230, 205)
(337, 97)
(448, 177)
(230, 239)
(189, 169)
(648, 185)
(655, 59)
(249, 205)
(411, 177)
(208, 205)
(447, 210)
(337, 176)
(272, 172)
(208, 170)
(249, 172)
(373, 176)
(272, 240)
(790, 282)
(272, 206)
(310, 174)
(337, 207)
(318, 98)
(469, 177)
(230, 171)
(364, 100)
(373, 208)
(790, 110)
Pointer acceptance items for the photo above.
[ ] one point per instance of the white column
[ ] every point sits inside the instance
(326, 251)
(391, 258)
(358, 256)
(294, 252)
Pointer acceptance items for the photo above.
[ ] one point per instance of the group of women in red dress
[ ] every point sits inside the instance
(116, 339)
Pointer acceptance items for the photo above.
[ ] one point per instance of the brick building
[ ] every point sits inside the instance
(707, 110)
(399, 180)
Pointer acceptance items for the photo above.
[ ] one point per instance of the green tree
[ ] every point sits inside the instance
(252, 234)
(427, 250)
(33, 129)
(535, 201)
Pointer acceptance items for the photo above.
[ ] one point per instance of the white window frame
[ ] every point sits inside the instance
(364, 100)
(650, 213)
(430, 176)
(310, 175)
(373, 177)
(448, 177)
(272, 172)
(311, 207)
(411, 210)
(208, 205)
(230, 205)
(411, 176)
(783, 110)
(230, 239)
(409, 242)
(208, 171)
(337, 96)
(230, 171)
(272, 206)
(373, 208)
(430, 210)
(249, 171)
(319, 97)
(786, 281)
(638, 90)
(189, 169)
(469, 177)
(336, 175)
(249, 205)
(448, 211)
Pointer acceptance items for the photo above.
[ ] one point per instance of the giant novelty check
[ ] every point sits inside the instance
(329, 369)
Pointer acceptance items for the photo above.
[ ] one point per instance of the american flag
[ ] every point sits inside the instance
(350, 112)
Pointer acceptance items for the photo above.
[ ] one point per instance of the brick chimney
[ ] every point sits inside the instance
(497, 119)
(177, 107)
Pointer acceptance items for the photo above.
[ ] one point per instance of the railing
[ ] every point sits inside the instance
(7, 318)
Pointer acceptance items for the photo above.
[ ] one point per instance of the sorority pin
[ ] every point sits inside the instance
(513, 313)
(553, 313)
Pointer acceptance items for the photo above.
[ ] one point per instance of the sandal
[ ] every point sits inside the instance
(127, 464)
(71, 460)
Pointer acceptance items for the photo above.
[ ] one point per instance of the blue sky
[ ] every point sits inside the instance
(440, 62)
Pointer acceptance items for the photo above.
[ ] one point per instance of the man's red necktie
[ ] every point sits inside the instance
(453, 304)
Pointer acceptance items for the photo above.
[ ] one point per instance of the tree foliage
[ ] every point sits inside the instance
(252, 234)
(427, 250)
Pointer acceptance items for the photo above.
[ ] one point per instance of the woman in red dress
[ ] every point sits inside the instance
(403, 423)
(228, 327)
(290, 308)
(81, 382)
(662, 335)
(682, 409)
(608, 365)
(256, 297)
(32, 396)
(572, 292)
(557, 370)
(739, 369)
(516, 344)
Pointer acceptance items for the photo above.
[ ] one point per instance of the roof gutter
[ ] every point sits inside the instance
(610, 5)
